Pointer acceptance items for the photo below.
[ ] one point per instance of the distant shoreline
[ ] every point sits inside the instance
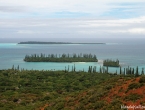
(35, 42)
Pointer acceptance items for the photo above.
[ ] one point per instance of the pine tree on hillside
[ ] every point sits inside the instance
(74, 68)
(142, 72)
(120, 70)
(100, 69)
(136, 74)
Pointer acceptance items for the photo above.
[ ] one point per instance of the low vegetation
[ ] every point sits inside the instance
(68, 90)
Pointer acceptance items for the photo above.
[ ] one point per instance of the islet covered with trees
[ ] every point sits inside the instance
(111, 63)
(61, 58)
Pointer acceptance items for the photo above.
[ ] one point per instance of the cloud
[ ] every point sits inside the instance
(72, 18)
(73, 8)
(12, 9)
(26, 32)
(76, 28)
(137, 30)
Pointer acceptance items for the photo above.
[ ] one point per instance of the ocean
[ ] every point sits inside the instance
(130, 52)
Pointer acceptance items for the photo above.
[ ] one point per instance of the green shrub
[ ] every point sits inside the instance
(46, 98)
(15, 100)
(59, 106)
(114, 105)
(108, 87)
(134, 86)
(142, 79)
(1, 105)
(133, 97)
(80, 107)
(99, 105)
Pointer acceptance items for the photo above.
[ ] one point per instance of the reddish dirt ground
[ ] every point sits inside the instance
(120, 90)
(42, 108)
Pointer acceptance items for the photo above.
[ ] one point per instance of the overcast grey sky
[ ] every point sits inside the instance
(72, 19)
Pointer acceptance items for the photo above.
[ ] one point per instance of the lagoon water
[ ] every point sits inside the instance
(130, 53)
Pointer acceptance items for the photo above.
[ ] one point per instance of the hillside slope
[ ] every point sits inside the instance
(63, 90)
(115, 94)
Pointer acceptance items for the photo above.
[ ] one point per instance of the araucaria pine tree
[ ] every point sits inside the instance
(68, 67)
(133, 71)
(136, 74)
(100, 69)
(124, 71)
(65, 69)
(120, 69)
(107, 69)
(74, 68)
(142, 72)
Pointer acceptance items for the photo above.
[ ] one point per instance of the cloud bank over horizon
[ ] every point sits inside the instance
(72, 19)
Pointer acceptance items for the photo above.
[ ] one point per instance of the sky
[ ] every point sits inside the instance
(72, 19)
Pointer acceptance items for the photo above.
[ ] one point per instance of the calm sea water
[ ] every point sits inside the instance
(130, 53)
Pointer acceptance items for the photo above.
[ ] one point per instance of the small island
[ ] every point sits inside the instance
(38, 42)
(111, 63)
(61, 58)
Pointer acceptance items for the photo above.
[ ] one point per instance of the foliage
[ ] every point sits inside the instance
(133, 97)
(32, 89)
(134, 86)
(142, 79)
(114, 105)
